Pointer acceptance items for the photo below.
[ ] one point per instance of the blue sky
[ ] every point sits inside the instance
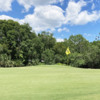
(61, 17)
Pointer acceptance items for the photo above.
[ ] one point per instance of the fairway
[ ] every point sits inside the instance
(49, 82)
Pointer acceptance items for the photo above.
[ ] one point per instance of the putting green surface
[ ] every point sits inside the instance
(49, 82)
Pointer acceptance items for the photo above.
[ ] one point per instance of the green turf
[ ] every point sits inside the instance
(46, 82)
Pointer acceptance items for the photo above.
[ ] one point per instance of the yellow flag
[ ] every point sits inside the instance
(68, 51)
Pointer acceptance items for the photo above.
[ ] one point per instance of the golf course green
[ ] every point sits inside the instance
(49, 82)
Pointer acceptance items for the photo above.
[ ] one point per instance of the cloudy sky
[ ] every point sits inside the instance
(61, 17)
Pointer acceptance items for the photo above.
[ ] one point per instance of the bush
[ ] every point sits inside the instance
(5, 61)
(33, 62)
(77, 59)
(10, 63)
(18, 63)
(48, 56)
(58, 58)
(92, 57)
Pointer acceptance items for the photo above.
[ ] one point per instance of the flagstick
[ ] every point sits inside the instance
(67, 59)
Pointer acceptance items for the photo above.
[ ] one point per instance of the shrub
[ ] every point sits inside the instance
(48, 56)
(58, 58)
(5, 61)
(18, 63)
(77, 59)
(33, 62)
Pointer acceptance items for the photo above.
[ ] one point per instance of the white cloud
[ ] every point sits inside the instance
(4, 17)
(29, 3)
(75, 15)
(86, 17)
(63, 29)
(5, 5)
(45, 17)
(60, 40)
(73, 10)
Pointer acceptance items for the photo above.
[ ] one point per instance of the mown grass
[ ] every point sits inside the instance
(49, 82)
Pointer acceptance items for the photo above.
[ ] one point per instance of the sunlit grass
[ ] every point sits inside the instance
(49, 82)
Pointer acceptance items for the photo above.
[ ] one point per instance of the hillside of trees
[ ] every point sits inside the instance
(20, 46)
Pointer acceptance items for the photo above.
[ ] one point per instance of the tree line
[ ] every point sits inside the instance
(20, 46)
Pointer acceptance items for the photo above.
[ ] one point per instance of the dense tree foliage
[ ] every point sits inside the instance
(20, 46)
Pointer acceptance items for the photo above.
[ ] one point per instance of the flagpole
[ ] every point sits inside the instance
(67, 59)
